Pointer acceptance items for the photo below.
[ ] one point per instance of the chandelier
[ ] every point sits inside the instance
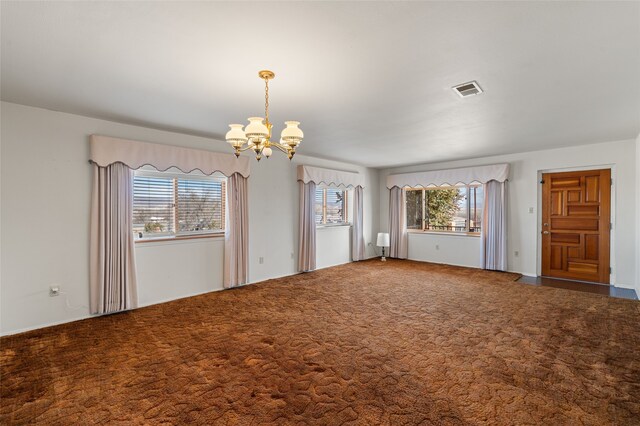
(257, 134)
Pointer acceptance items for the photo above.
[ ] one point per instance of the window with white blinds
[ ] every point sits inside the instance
(167, 204)
(336, 211)
(153, 206)
(331, 206)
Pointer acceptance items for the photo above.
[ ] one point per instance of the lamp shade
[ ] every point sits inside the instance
(236, 136)
(292, 135)
(256, 128)
(383, 239)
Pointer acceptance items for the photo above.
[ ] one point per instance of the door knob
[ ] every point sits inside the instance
(545, 232)
(545, 224)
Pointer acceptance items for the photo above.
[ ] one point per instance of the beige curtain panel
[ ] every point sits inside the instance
(112, 258)
(493, 234)
(357, 237)
(307, 227)
(236, 242)
(397, 224)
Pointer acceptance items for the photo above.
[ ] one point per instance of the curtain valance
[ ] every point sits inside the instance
(329, 177)
(467, 175)
(135, 154)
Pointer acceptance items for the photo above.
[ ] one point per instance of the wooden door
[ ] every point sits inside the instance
(576, 210)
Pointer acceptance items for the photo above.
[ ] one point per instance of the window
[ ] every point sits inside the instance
(167, 204)
(451, 209)
(331, 206)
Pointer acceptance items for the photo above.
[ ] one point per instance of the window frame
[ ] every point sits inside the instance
(345, 208)
(466, 232)
(186, 235)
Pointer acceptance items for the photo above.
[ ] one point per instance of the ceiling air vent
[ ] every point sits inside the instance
(467, 89)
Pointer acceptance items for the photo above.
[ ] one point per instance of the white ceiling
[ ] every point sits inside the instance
(370, 82)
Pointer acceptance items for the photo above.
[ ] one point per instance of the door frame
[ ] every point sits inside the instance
(612, 238)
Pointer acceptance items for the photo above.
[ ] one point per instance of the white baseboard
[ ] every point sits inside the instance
(181, 297)
(51, 324)
(83, 317)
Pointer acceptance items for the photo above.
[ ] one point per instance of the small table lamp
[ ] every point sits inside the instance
(383, 241)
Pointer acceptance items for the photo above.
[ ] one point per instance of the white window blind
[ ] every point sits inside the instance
(200, 206)
(331, 206)
(336, 212)
(153, 205)
(169, 204)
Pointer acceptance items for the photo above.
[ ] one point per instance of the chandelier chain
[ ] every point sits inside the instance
(266, 100)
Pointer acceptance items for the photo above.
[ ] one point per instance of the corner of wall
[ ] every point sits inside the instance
(637, 193)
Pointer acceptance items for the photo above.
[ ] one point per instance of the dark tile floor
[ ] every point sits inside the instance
(609, 290)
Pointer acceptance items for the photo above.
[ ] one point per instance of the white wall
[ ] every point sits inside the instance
(461, 250)
(170, 270)
(523, 227)
(45, 194)
(328, 252)
(638, 216)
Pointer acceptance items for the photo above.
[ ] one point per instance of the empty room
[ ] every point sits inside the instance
(319, 213)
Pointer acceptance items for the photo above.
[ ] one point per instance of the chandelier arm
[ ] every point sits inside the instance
(246, 148)
(282, 148)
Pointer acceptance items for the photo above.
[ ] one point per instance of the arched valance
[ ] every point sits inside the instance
(329, 177)
(135, 154)
(467, 175)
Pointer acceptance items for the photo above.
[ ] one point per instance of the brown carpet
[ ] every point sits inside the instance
(368, 343)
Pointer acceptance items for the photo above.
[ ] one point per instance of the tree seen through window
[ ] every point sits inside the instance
(453, 209)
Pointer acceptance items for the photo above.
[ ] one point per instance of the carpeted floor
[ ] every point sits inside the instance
(368, 343)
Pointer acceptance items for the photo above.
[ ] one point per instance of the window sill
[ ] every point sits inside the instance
(179, 238)
(333, 225)
(447, 233)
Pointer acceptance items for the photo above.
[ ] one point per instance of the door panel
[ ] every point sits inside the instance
(584, 210)
(574, 196)
(576, 210)
(591, 247)
(574, 224)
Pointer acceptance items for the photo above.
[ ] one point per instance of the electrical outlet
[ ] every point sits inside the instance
(516, 253)
(437, 247)
(530, 209)
(369, 243)
(54, 290)
(261, 260)
(292, 255)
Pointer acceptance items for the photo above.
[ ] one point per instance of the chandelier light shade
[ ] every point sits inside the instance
(292, 135)
(236, 136)
(257, 134)
(256, 129)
